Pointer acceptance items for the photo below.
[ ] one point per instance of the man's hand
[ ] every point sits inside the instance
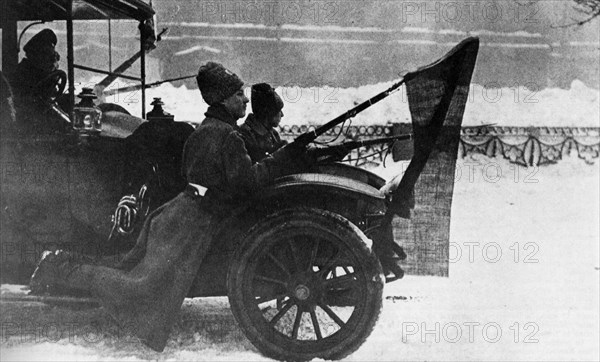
(295, 150)
(338, 153)
(329, 154)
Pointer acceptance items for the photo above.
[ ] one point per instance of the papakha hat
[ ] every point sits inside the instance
(265, 102)
(217, 83)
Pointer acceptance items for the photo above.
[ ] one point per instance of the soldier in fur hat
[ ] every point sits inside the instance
(147, 289)
(259, 129)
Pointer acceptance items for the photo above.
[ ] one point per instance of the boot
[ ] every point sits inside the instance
(52, 273)
(391, 268)
(399, 251)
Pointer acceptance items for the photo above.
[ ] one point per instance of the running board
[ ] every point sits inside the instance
(10, 293)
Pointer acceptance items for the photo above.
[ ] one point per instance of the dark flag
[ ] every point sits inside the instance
(437, 95)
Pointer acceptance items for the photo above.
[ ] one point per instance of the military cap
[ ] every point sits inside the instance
(43, 39)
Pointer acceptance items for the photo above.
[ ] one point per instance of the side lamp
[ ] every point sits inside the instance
(87, 117)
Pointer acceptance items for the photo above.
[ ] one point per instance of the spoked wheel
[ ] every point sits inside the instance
(305, 284)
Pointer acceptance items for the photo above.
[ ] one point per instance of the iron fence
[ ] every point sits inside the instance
(521, 145)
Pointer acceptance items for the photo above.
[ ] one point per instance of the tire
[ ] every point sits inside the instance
(307, 260)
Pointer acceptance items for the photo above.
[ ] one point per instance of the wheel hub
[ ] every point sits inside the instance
(302, 292)
(305, 288)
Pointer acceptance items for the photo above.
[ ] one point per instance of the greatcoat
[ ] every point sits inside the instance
(146, 291)
(260, 140)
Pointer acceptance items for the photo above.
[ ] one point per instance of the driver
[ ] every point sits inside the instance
(41, 59)
(147, 290)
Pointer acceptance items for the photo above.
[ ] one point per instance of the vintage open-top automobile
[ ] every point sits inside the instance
(61, 178)
(303, 265)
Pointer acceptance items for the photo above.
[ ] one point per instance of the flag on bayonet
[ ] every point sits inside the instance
(437, 95)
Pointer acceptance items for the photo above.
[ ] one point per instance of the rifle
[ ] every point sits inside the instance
(131, 88)
(338, 152)
(304, 139)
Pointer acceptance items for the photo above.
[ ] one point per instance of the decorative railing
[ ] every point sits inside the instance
(373, 155)
(533, 145)
(521, 145)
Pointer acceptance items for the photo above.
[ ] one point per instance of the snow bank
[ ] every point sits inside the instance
(578, 106)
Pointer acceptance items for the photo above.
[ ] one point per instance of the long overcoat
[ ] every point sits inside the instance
(260, 140)
(146, 292)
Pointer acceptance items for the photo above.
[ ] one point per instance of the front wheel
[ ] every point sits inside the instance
(305, 284)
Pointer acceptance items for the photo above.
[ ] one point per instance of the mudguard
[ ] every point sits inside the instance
(327, 183)
(353, 172)
(348, 197)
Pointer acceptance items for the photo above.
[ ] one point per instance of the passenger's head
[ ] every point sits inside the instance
(266, 104)
(220, 86)
(40, 50)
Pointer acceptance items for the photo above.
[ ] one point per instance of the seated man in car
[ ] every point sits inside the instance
(259, 133)
(30, 83)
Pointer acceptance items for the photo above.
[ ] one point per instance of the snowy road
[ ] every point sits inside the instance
(524, 285)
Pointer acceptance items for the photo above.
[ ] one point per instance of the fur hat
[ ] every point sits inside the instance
(265, 102)
(216, 83)
(44, 39)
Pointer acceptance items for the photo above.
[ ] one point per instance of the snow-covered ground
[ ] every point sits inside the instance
(524, 285)
(578, 106)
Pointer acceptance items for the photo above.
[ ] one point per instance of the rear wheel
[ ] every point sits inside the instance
(305, 284)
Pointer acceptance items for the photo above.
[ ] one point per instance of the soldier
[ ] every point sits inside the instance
(41, 59)
(147, 290)
(260, 135)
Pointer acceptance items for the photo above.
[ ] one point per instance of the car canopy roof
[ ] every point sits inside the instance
(49, 10)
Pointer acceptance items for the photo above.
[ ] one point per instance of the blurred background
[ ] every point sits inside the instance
(351, 43)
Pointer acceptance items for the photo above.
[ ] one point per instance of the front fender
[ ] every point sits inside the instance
(345, 196)
(352, 172)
